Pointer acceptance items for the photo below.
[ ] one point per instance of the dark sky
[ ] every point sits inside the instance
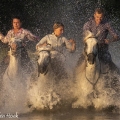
(38, 15)
(28, 9)
(22, 8)
(7, 9)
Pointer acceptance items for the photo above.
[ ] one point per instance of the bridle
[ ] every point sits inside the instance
(100, 72)
(49, 51)
(16, 50)
(48, 63)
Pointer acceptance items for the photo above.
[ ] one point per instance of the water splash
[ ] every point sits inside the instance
(47, 93)
(53, 89)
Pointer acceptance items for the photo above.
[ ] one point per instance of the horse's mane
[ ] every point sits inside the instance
(86, 35)
(80, 66)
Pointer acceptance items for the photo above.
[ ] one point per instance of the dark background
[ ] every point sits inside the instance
(38, 16)
(28, 9)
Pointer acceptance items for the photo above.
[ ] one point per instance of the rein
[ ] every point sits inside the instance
(99, 72)
(94, 84)
(17, 48)
(50, 58)
(96, 79)
(53, 50)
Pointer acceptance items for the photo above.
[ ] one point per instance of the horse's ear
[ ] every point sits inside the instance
(87, 34)
(98, 33)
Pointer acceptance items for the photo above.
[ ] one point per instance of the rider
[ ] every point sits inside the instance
(56, 40)
(19, 33)
(101, 27)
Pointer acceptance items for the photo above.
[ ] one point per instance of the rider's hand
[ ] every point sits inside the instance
(44, 44)
(41, 45)
(23, 44)
(107, 41)
(14, 46)
(37, 46)
(1, 35)
(73, 45)
(116, 37)
(72, 41)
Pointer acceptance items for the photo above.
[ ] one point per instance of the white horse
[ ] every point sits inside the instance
(52, 80)
(94, 78)
(16, 79)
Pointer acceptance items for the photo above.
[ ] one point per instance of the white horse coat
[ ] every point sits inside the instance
(49, 87)
(15, 81)
(94, 79)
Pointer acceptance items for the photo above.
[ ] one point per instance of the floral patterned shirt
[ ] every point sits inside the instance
(102, 29)
(22, 34)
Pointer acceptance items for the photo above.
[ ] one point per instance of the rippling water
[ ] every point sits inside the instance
(76, 12)
(68, 115)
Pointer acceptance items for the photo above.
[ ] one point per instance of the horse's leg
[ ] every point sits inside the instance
(58, 69)
(83, 88)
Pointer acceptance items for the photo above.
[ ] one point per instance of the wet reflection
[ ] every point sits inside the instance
(70, 115)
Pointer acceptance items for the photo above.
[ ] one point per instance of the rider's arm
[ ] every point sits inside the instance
(42, 42)
(5, 39)
(30, 36)
(1, 37)
(115, 36)
(70, 44)
(86, 26)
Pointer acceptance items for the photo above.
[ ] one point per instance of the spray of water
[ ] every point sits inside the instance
(53, 89)
(49, 92)
(103, 95)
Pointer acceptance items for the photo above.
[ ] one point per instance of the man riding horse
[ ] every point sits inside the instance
(18, 33)
(101, 27)
(56, 41)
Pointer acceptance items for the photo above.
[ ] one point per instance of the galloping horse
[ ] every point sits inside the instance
(52, 79)
(94, 78)
(16, 78)
(51, 62)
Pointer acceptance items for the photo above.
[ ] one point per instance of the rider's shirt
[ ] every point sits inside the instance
(57, 43)
(102, 29)
(22, 34)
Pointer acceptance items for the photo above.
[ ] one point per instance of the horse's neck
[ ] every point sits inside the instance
(14, 65)
(93, 71)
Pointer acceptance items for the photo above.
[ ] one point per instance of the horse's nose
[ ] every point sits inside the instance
(91, 58)
(41, 69)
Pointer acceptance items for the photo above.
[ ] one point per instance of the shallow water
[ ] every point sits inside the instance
(68, 115)
(77, 13)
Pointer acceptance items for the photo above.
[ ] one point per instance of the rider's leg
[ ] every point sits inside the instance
(103, 54)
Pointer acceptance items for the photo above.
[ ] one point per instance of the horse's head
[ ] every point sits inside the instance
(16, 46)
(43, 59)
(91, 47)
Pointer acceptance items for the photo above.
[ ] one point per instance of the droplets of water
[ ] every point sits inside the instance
(73, 14)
